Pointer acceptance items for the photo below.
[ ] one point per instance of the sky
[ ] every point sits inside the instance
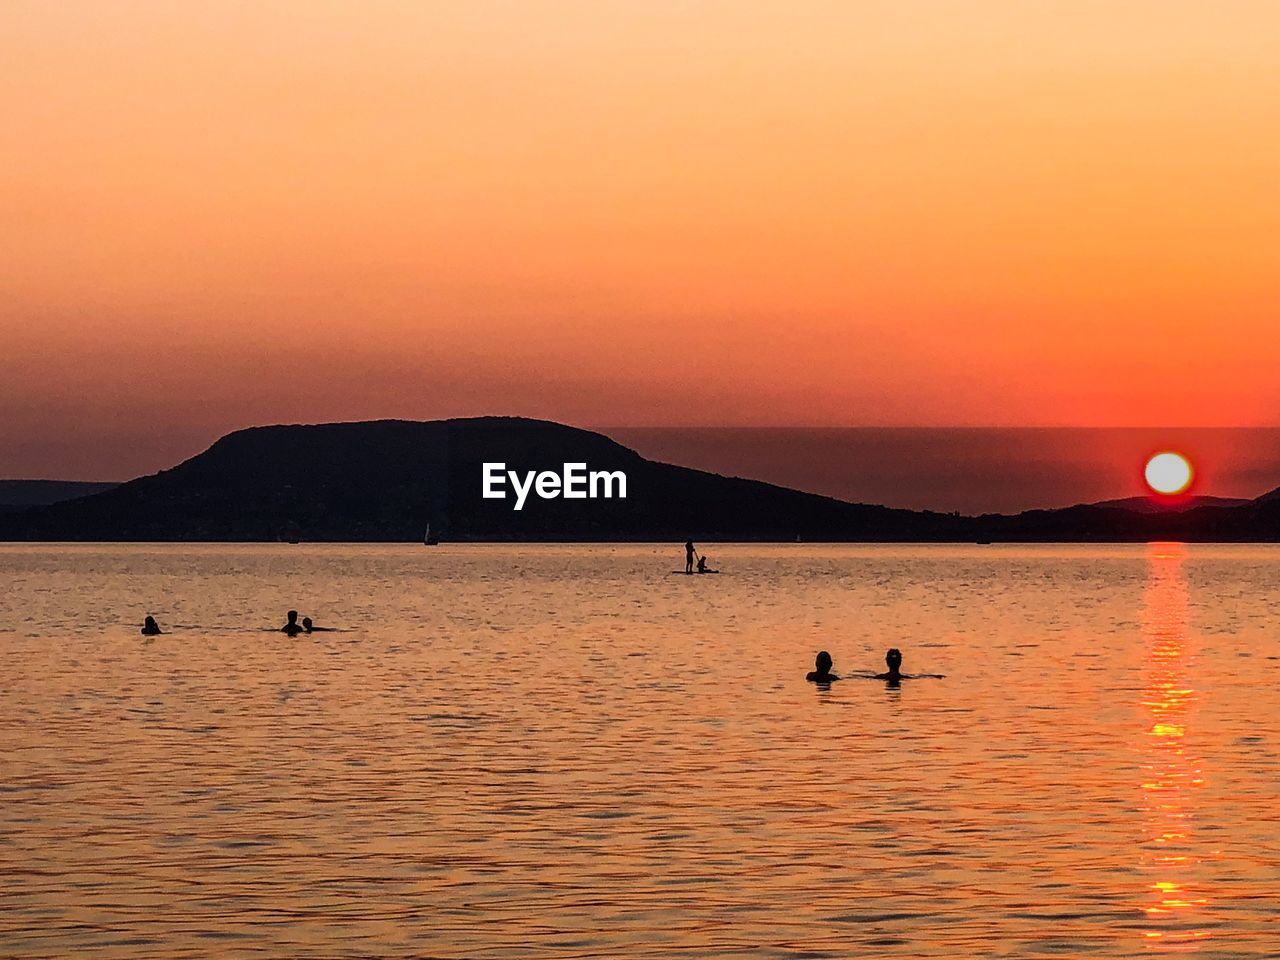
(955, 212)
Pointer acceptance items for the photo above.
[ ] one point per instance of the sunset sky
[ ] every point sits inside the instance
(701, 213)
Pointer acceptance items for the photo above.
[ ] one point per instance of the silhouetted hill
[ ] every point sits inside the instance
(386, 480)
(1207, 524)
(16, 494)
(1177, 505)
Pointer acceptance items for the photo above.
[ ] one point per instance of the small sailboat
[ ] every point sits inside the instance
(427, 539)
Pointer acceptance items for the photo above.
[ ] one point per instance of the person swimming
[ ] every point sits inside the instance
(893, 660)
(150, 628)
(310, 627)
(821, 672)
(893, 676)
(292, 627)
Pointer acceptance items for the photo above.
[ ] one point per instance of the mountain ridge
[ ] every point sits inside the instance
(20, 493)
(387, 480)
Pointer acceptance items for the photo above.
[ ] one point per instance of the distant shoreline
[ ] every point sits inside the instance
(396, 481)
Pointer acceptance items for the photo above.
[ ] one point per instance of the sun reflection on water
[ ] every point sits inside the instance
(1174, 900)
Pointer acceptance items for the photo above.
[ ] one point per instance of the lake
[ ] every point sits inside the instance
(564, 751)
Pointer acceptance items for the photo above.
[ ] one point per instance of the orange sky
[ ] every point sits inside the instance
(999, 212)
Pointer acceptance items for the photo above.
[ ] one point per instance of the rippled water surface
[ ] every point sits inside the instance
(566, 752)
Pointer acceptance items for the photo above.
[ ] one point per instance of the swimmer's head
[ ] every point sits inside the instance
(822, 662)
(149, 622)
(306, 624)
(894, 659)
(293, 616)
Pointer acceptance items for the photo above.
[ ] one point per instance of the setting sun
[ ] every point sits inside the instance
(1168, 473)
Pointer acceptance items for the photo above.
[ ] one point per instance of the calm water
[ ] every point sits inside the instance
(563, 752)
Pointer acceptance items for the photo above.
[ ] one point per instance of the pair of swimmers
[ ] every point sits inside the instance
(893, 659)
(293, 628)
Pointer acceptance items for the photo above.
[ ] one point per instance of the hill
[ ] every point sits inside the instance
(1173, 505)
(19, 494)
(16, 494)
(386, 480)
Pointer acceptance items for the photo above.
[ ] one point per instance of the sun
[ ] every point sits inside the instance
(1169, 473)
